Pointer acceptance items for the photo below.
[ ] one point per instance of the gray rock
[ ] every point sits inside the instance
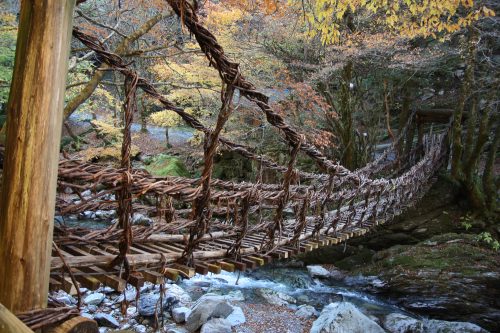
(148, 304)
(94, 299)
(140, 219)
(87, 315)
(216, 325)
(130, 295)
(237, 317)
(140, 329)
(400, 323)
(105, 214)
(86, 193)
(103, 329)
(318, 271)
(207, 307)
(104, 319)
(442, 326)
(92, 308)
(344, 317)
(275, 297)
(305, 311)
(178, 293)
(176, 330)
(132, 311)
(67, 299)
(180, 314)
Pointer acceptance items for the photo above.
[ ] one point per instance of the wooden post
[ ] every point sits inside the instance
(34, 122)
(10, 323)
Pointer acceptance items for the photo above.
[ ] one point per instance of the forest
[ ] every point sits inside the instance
(249, 166)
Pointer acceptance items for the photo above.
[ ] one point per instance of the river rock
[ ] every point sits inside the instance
(237, 317)
(140, 219)
(130, 295)
(147, 304)
(318, 271)
(305, 311)
(94, 299)
(140, 329)
(104, 319)
(207, 307)
(442, 326)
(216, 325)
(344, 317)
(400, 323)
(180, 314)
(178, 293)
(275, 297)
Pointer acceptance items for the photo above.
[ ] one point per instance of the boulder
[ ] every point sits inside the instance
(318, 271)
(107, 320)
(344, 317)
(178, 293)
(237, 317)
(275, 297)
(400, 323)
(148, 304)
(442, 326)
(180, 314)
(94, 299)
(207, 307)
(305, 311)
(216, 325)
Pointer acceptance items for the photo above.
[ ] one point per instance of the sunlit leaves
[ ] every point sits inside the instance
(410, 18)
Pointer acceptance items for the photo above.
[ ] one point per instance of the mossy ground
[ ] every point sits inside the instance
(165, 165)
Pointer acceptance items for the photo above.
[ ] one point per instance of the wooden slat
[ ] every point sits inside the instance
(188, 271)
(228, 267)
(201, 269)
(213, 268)
(153, 277)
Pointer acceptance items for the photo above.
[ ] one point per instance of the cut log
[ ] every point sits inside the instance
(75, 325)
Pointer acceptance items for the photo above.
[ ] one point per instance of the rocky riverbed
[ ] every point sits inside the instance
(271, 299)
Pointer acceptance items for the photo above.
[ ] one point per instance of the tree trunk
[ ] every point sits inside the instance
(166, 137)
(34, 112)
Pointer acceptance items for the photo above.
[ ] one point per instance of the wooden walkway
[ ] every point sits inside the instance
(155, 256)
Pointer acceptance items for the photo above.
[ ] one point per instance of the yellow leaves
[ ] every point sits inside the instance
(487, 12)
(165, 118)
(409, 18)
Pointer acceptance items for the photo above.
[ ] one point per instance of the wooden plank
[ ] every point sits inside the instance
(226, 266)
(66, 284)
(136, 279)
(241, 266)
(112, 281)
(213, 268)
(54, 285)
(153, 277)
(201, 269)
(88, 281)
(258, 260)
(188, 271)
(251, 264)
(171, 274)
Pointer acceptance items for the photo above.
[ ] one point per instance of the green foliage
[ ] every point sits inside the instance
(8, 33)
(164, 165)
(488, 239)
(466, 221)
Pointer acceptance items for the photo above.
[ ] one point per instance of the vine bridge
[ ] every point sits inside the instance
(208, 225)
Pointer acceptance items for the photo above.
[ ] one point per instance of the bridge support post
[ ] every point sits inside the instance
(34, 123)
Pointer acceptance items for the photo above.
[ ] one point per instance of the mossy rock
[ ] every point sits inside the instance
(164, 165)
